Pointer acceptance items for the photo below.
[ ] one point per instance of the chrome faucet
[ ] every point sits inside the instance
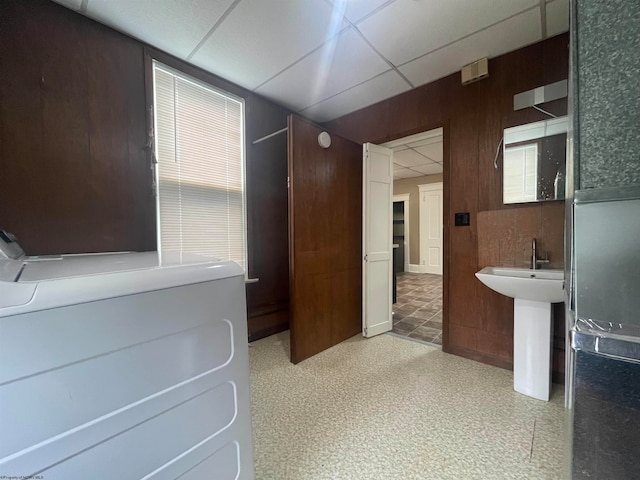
(535, 262)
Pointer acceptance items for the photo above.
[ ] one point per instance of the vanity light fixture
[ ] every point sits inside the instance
(544, 94)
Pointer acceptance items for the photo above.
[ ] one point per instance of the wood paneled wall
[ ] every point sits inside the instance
(478, 322)
(325, 227)
(74, 170)
(267, 219)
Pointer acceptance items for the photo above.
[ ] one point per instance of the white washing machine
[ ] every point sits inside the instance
(123, 366)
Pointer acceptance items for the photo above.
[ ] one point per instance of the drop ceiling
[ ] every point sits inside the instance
(417, 155)
(326, 58)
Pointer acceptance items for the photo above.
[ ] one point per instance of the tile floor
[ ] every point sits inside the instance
(385, 408)
(417, 312)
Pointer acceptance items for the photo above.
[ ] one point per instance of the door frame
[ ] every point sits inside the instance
(445, 124)
(428, 187)
(405, 197)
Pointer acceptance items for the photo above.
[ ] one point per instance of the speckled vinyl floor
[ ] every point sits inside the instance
(388, 408)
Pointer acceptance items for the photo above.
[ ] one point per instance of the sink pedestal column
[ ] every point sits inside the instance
(532, 348)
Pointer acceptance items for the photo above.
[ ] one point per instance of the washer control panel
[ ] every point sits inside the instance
(9, 247)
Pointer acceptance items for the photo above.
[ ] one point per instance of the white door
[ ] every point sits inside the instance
(377, 208)
(431, 228)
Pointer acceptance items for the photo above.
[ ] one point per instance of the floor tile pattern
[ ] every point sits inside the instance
(417, 312)
(384, 408)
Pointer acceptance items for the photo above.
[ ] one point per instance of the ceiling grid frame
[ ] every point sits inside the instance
(349, 91)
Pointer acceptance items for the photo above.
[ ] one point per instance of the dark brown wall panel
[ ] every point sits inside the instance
(75, 174)
(74, 170)
(325, 225)
(478, 323)
(267, 216)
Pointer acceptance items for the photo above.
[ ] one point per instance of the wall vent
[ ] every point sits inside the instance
(475, 71)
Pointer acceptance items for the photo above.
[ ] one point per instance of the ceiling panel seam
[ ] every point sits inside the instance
(346, 90)
(213, 29)
(393, 67)
(422, 154)
(374, 11)
(469, 35)
(543, 18)
(336, 35)
(364, 17)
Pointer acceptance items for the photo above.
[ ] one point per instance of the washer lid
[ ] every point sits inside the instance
(74, 279)
(39, 269)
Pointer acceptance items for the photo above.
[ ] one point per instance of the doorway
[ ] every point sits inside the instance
(418, 177)
(398, 236)
(401, 233)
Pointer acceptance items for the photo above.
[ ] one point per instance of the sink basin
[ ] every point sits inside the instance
(533, 292)
(524, 283)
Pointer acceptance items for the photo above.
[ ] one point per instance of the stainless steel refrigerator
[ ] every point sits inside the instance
(605, 336)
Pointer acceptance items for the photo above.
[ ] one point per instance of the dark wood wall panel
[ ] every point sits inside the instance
(267, 212)
(478, 323)
(75, 174)
(74, 171)
(325, 225)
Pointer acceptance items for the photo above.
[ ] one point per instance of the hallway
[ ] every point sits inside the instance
(417, 312)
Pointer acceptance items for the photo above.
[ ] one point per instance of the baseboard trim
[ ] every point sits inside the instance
(479, 357)
(260, 326)
(420, 269)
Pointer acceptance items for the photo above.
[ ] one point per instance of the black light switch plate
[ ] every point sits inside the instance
(462, 219)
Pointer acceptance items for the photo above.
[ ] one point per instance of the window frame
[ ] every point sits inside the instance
(150, 67)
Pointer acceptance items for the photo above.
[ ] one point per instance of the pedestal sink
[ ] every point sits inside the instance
(533, 292)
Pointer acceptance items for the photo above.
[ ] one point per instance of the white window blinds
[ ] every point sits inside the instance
(200, 153)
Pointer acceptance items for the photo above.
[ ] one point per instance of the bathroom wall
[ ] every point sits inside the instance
(607, 98)
(478, 323)
(505, 236)
(410, 186)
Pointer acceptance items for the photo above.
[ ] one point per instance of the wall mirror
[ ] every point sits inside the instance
(534, 161)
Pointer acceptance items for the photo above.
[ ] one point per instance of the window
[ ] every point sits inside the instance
(200, 171)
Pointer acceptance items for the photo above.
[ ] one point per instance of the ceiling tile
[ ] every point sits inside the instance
(397, 167)
(557, 17)
(383, 86)
(432, 151)
(434, 138)
(261, 38)
(405, 173)
(73, 4)
(171, 25)
(429, 169)
(407, 29)
(509, 35)
(409, 158)
(340, 64)
(354, 10)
